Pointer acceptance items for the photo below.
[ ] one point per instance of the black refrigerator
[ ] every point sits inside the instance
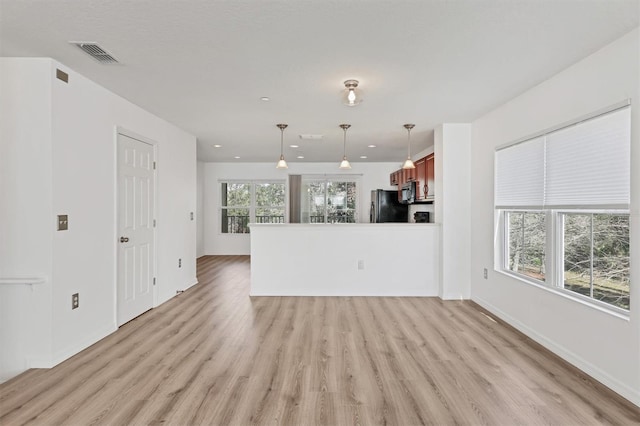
(386, 208)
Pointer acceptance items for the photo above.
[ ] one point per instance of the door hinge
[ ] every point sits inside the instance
(154, 223)
(154, 165)
(154, 280)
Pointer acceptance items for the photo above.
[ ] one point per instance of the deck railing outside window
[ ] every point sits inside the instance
(240, 224)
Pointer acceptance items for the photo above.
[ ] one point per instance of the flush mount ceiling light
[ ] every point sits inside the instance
(345, 163)
(351, 97)
(281, 163)
(408, 164)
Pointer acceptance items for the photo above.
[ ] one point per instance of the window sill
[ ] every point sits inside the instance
(593, 304)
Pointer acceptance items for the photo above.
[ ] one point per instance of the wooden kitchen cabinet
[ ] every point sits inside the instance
(431, 177)
(394, 178)
(423, 174)
(421, 178)
(408, 175)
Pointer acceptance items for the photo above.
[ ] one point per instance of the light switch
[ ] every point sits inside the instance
(63, 222)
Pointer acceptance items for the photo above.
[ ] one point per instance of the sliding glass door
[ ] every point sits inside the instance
(329, 199)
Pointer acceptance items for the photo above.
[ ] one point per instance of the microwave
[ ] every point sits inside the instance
(408, 192)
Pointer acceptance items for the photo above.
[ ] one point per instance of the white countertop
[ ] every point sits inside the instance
(360, 224)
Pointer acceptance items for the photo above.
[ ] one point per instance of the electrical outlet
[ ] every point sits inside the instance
(63, 222)
(75, 301)
(360, 265)
(486, 273)
(179, 263)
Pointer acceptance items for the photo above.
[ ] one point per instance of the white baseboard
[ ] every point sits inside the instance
(66, 353)
(453, 297)
(58, 357)
(195, 281)
(633, 395)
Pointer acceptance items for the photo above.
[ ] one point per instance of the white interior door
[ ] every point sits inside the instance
(136, 189)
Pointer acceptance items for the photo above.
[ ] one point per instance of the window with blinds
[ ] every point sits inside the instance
(582, 165)
(563, 199)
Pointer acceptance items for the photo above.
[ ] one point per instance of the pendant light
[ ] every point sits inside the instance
(408, 164)
(281, 163)
(351, 97)
(345, 163)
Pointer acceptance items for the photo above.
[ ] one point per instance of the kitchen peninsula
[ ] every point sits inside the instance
(356, 259)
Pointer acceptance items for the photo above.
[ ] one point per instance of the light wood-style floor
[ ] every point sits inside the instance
(215, 356)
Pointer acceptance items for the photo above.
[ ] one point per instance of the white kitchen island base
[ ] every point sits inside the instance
(378, 259)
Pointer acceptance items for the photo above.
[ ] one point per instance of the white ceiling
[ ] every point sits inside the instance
(203, 65)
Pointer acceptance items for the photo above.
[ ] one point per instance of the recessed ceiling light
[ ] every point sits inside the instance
(265, 99)
(236, 157)
(300, 156)
(363, 156)
(311, 137)
(371, 146)
(217, 146)
(294, 146)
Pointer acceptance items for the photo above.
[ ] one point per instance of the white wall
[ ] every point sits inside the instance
(200, 209)
(381, 259)
(26, 218)
(605, 346)
(373, 175)
(427, 151)
(452, 209)
(80, 153)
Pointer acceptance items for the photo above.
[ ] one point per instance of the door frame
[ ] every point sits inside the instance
(118, 130)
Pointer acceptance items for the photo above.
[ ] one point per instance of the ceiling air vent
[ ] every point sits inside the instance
(96, 52)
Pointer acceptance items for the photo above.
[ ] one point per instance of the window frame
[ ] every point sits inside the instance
(554, 256)
(504, 264)
(228, 207)
(554, 246)
(255, 206)
(252, 201)
(339, 178)
(559, 246)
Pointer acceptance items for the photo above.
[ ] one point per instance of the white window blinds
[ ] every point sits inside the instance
(586, 164)
(520, 175)
(589, 164)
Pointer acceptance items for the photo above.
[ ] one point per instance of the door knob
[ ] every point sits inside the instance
(124, 239)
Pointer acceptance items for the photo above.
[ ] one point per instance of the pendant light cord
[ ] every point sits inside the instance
(345, 127)
(281, 143)
(344, 145)
(409, 127)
